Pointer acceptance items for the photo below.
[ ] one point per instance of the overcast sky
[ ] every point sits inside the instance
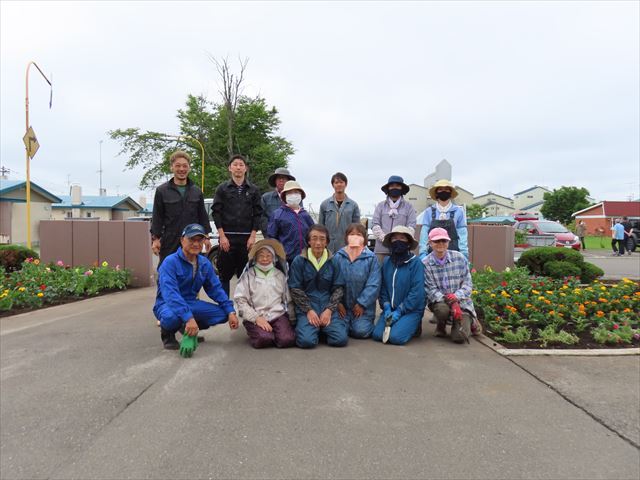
(512, 94)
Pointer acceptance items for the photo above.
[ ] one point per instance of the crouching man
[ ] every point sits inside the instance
(181, 276)
(448, 287)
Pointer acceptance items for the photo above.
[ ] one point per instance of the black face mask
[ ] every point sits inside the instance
(444, 196)
(399, 247)
(395, 192)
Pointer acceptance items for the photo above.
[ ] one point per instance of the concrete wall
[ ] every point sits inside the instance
(39, 211)
(6, 209)
(418, 197)
(78, 242)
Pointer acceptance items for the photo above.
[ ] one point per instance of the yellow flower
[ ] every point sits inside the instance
(6, 291)
(516, 291)
(549, 292)
(36, 262)
(564, 287)
(577, 291)
(562, 294)
(105, 264)
(535, 292)
(561, 314)
(540, 298)
(603, 288)
(21, 289)
(474, 292)
(40, 294)
(493, 295)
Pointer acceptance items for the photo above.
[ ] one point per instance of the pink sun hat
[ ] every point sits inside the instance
(438, 234)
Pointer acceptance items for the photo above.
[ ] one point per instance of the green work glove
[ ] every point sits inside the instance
(188, 345)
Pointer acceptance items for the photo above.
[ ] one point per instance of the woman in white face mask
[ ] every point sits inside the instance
(360, 270)
(290, 223)
(262, 297)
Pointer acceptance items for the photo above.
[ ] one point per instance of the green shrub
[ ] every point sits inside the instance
(12, 257)
(520, 238)
(589, 272)
(520, 335)
(561, 269)
(535, 258)
(549, 335)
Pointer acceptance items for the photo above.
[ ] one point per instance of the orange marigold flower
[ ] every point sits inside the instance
(600, 313)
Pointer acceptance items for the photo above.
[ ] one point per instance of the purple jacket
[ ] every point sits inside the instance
(290, 229)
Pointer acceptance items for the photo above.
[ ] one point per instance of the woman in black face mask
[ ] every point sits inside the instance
(444, 214)
(402, 293)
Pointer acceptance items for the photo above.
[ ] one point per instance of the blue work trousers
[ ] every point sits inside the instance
(401, 331)
(206, 315)
(307, 336)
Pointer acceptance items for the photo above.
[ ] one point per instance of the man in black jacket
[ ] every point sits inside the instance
(177, 203)
(237, 212)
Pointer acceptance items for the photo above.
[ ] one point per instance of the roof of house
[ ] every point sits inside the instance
(495, 202)
(615, 209)
(7, 186)
(493, 193)
(532, 188)
(97, 201)
(537, 204)
(503, 219)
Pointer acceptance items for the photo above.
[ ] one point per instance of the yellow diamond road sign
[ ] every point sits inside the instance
(31, 142)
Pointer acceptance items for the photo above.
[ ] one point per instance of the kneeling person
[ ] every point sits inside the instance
(317, 288)
(448, 287)
(262, 297)
(181, 276)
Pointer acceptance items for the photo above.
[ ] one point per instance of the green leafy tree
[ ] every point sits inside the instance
(476, 211)
(562, 202)
(236, 124)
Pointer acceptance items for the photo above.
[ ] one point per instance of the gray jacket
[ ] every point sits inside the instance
(338, 219)
(383, 223)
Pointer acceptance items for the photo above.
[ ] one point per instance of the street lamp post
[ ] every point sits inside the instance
(28, 179)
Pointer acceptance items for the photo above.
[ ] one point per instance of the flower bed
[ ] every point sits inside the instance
(521, 311)
(37, 285)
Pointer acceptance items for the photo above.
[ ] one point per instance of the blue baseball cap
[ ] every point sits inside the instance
(193, 230)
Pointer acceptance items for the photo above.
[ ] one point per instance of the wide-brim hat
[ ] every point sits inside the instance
(280, 172)
(440, 184)
(395, 179)
(408, 231)
(291, 185)
(268, 242)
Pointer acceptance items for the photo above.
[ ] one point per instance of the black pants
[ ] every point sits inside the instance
(620, 249)
(232, 262)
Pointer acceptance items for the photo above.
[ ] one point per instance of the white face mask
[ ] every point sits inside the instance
(294, 199)
(264, 268)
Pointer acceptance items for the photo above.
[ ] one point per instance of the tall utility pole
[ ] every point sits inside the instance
(100, 171)
(31, 138)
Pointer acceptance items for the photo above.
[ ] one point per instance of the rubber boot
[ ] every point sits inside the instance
(169, 339)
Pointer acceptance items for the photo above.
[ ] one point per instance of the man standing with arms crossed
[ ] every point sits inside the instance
(237, 213)
(177, 203)
(338, 212)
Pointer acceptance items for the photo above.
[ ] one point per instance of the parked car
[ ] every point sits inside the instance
(634, 239)
(563, 237)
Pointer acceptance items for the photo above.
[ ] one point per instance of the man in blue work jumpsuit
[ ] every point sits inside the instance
(181, 276)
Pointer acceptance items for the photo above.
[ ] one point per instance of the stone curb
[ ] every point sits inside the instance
(522, 352)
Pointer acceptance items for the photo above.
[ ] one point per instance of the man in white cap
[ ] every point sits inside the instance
(444, 214)
(448, 287)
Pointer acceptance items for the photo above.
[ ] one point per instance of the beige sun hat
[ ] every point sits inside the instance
(267, 242)
(408, 231)
(442, 183)
(291, 185)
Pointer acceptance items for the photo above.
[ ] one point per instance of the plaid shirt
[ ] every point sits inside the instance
(451, 277)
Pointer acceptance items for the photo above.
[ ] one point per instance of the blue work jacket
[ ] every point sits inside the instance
(403, 285)
(316, 284)
(361, 277)
(177, 286)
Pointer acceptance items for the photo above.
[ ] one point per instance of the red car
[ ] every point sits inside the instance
(564, 238)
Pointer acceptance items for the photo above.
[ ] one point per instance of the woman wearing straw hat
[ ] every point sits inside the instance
(402, 295)
(262, 297)
(271, 201)
(290, 223)
(444, 214)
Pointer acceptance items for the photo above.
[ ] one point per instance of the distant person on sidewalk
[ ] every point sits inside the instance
(628, 230)
(290, 222)
(176, 204)
(262, 297)
(392, 212)
(448, 286)
(271, 201)
(617, 238)
(338, 211)
(581, 231)
(444, 214)
(181, 276)
(402, 295)
(237, 212)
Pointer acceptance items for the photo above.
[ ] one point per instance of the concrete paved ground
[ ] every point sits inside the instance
(87, 392)
(615, 267)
